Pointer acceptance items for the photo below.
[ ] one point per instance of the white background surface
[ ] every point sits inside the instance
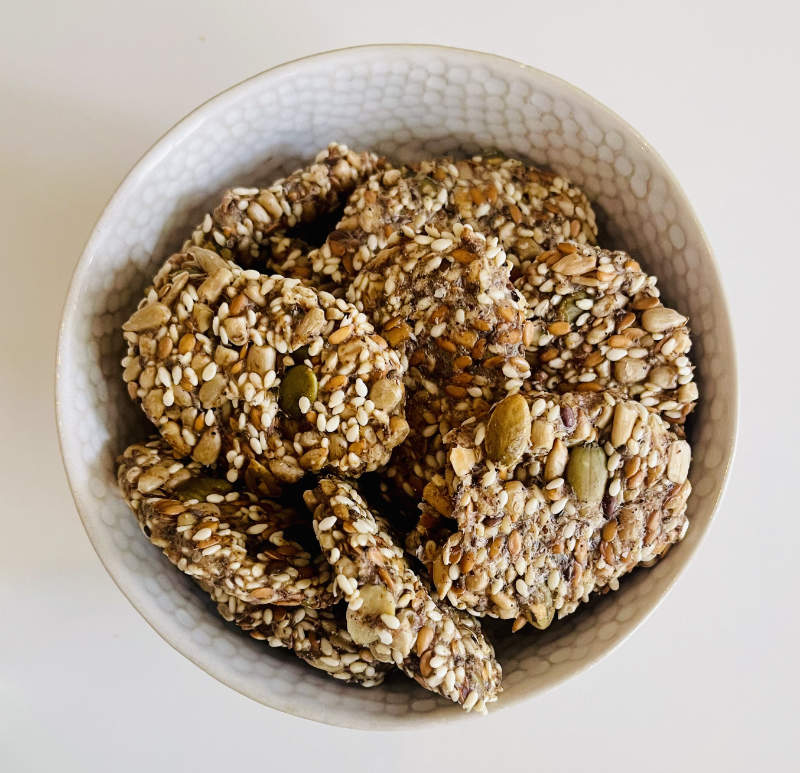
(710, 681)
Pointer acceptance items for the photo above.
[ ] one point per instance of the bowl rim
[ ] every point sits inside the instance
(179, 130)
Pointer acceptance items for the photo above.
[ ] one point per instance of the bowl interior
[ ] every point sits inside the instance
(406, 102)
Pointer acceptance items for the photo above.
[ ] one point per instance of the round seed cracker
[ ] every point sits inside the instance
(598, 322)
(232, 540)
(599, 487)
(525, 207)
(236, 365)
(449, 307)
(241, 226)
(392, 611)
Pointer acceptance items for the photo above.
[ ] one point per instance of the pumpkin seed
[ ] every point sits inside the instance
(299, 381)
(508, 430)
(587, 472)
(200, 488)
(568, 310)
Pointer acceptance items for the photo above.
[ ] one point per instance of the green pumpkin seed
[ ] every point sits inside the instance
(200, 488)
(587, 472)
(568, 310)
(299, 381)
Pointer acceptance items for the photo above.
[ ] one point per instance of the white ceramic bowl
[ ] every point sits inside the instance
(407, 102)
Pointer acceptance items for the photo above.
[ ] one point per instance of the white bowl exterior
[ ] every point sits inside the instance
(407, 102)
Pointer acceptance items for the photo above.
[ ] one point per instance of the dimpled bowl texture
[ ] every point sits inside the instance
(407, 102)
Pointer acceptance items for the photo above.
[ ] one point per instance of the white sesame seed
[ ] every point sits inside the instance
(327, 523)
(345, 584)
(538, 407)
(391, 622)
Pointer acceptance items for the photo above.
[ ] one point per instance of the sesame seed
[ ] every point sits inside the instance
(390, 621)
(327, 523)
